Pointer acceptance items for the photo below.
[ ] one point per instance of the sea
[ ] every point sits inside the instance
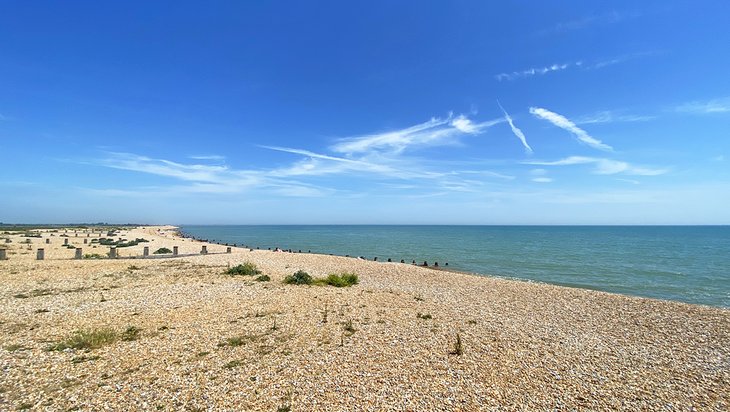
(682, 263)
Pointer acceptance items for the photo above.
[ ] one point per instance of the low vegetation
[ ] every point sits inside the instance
(93, 256)
(263, 278)
(86, 339)
(244, 269)
(121, 243)
(131, 333)
(162, 251)
(337, 280)
(299, 278)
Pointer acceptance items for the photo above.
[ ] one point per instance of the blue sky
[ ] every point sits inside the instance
(459, 112)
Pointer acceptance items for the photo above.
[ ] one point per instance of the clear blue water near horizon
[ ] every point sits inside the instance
(682, 263)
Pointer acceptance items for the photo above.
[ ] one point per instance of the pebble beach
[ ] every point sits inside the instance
(185, 336)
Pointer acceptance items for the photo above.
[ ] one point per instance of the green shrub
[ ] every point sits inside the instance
(161, 251)
(244, 269)
(93, 256)
(263, 278)
(339, 281)
(299, 278)
(90, 339)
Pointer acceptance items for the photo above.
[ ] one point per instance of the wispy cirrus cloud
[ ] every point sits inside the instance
(377, 157)
(517, 132)
(611, 17)
(721, 105)
(602, 166)
(575, 65)
(207, 157)
(431, 133)
(563, 122)
(536, 71)
(609, 116)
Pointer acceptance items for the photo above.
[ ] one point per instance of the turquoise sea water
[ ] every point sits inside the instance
(684, 263)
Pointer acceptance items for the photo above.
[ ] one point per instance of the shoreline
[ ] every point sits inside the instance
(386, 343)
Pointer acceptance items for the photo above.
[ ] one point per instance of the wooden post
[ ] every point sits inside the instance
(204, 250)
(79, 253)
(228, 249)
(146, 251)
(113, 252)
(3, 254)
(65, 241)
(41, 254)
(48, 241)
(174, 250)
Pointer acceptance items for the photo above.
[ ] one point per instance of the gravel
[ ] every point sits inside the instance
(526, 346)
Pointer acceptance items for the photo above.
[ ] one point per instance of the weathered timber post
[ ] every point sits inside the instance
(174, 250)
(65, 241)
(146, 251)
(79, 253)
(48, 241)
(204, 250)
(40, 255)
(228, 250)
(3, 254)
(113, 252)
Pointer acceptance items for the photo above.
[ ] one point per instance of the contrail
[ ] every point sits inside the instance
(515, 129)
(563, 123)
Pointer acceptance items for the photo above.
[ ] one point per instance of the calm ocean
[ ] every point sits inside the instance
(684, 263)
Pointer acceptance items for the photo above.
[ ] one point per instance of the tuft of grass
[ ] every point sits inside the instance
(162, 251)
(131, 333)
(244, 269)
(263, 278)
(472, 322)
(86, 339)
(418, 298)
(347, 327)
(233, 364)
(299, 278)
(133, 267)
(201, 354)
(424, 316)
(339, 281)
(93, 256)
(82, 359)
(14, 348)
(240, 340)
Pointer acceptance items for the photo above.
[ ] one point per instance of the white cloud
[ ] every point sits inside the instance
(721, 105)
(516, 130)
(207, 157)
(542, 180)
(431, 133)
(608, 116)
(564, 123)
(534, 71)
(602, 166)
(591, 20)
